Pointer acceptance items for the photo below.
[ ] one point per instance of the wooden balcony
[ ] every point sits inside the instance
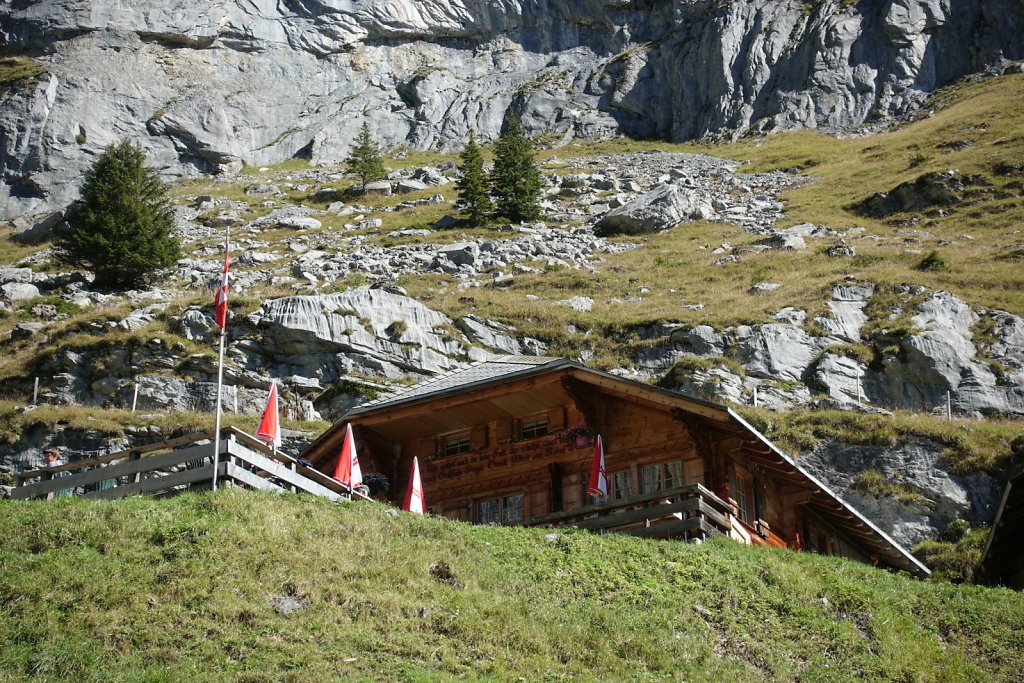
(687, 512)
(177, 465)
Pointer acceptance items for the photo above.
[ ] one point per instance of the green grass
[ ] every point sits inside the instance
(17, 71)
(182, 589)
(968, 445)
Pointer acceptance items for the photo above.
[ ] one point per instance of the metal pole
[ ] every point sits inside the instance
(859, 394)
(220, 383)
(135, 395)
(755, 397)
(235, 387)
(35, 392)
(949, 407)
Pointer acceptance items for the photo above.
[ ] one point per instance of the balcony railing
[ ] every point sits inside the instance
(688, 512)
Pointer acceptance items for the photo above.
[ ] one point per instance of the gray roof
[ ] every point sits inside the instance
(458, 379)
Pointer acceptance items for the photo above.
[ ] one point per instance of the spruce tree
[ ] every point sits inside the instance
(474, 202)
(122, 226)
(515, 180)
(365, 159)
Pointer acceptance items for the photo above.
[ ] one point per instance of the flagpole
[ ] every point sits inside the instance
(220, 381)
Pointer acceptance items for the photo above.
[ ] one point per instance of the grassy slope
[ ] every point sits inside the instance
(180, 589)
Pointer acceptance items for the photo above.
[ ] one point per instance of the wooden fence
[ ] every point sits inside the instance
(185, 463)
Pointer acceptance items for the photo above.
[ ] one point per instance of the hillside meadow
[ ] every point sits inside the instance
(254, 587)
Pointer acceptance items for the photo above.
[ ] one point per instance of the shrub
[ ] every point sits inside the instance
(933, 261)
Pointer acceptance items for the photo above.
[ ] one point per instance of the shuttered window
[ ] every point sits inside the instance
(455, 444)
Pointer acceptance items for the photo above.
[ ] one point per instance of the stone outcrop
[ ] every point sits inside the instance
(328, 350)
(788, 363)
(205, 87)
(915, 467)
(926, 192)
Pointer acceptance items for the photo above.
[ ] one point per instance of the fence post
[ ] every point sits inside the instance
(949, 407)
(235, 387)
(135, 395)
(755, 397)
(35, 392)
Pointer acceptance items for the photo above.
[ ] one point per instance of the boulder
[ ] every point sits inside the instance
(407, 186)
(927, 191)
(662, 208)
(41, 231)
(18, 291)
(26, 330)
(262, 189)
(381, 187)
(299, 223)
(580, 304)
(461, 253)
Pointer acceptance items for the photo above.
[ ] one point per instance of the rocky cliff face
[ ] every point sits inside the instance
(208, 86)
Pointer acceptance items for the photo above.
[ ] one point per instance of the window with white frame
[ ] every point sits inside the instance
(622, 484)
(504, 509)
(664, 475)
(739, 487)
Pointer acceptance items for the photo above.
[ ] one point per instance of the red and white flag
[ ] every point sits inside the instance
(269, 431)
(347, 470)
(220, 303)
(414, 496)
(598, 484)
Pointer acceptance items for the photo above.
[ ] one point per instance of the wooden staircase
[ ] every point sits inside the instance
(177, 465)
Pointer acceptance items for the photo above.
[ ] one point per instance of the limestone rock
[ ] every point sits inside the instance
(18, 291)
(659, 209)
(489, 333)
(330, 336)
(918, 466)
(190, 81)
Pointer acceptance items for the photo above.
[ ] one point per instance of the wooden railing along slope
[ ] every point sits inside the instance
(174, 465)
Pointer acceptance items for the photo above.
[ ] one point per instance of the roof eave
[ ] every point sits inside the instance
(916, 564)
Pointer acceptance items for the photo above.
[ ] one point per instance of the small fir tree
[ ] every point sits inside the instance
(515, 180)
(366, 160)
(122, 226)
(474, 202)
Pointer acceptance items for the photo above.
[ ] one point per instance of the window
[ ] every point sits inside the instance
(456, 444)
(533, 428)
(497, 510)
(622, 485)
(739, 485)
(665, 475)
(512, 508)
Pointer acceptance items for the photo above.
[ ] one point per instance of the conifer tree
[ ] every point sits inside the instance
(122, 226)
(365, 159)
(474, 202)
(515, 180)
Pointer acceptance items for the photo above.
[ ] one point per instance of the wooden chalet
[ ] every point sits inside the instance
(509, 441)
